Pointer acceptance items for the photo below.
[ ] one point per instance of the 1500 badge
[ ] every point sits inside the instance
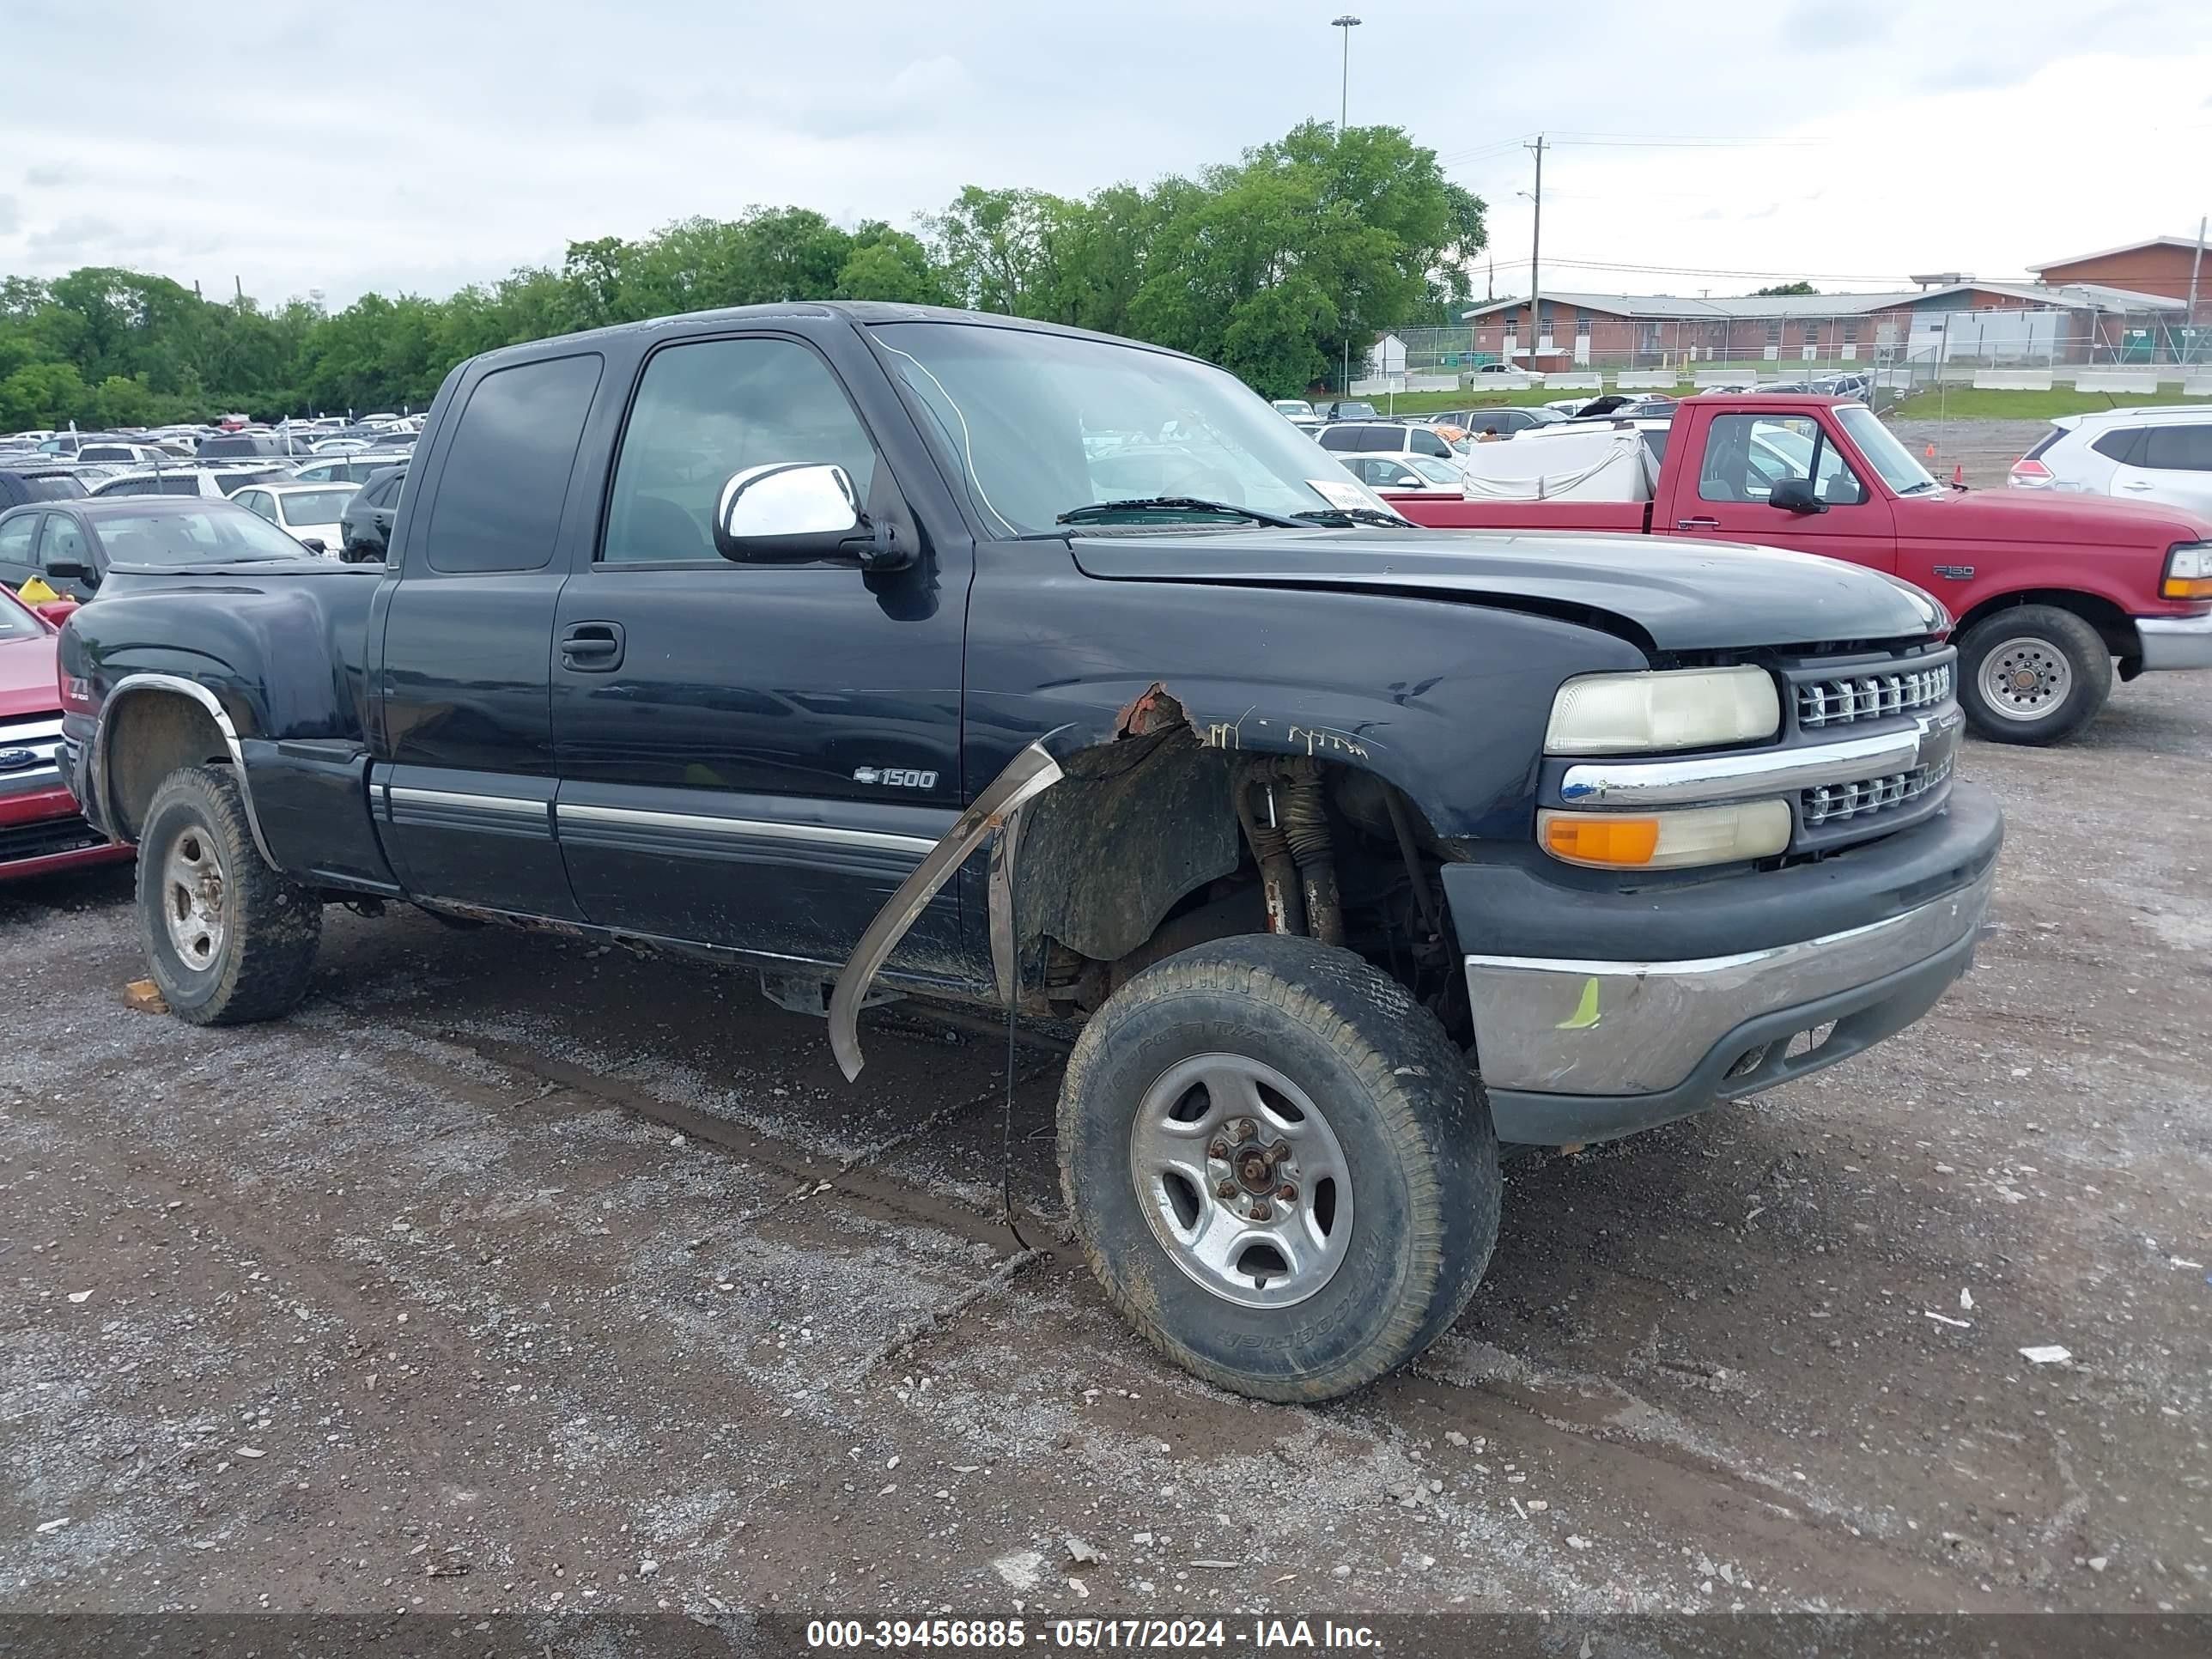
(898, 777)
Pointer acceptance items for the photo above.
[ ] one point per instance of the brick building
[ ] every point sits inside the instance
(2162, 265)
(1657, 330)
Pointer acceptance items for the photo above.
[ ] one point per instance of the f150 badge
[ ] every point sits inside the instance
(898, 777)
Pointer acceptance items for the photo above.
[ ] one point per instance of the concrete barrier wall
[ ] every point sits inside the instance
(1591, 382)
(2116, 379)
(2012, 380)
(1643, 379)
(2197, 383)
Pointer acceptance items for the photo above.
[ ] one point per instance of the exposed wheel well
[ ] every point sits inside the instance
(149, 735)
(2114, 625)
(1152, 842)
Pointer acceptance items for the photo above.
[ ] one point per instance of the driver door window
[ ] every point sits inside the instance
(706, 411)
(1747, 455)
(63, 544)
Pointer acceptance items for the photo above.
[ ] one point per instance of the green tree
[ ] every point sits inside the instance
(43, 395)
(1781, 290)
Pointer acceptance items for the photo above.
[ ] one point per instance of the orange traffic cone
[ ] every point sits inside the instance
(1958, 476)
(1931, 451)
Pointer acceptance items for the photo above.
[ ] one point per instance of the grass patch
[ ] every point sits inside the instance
(1428, 403)
(1962, 402)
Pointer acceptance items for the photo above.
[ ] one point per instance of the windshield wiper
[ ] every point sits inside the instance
(1352, 515)
(1099, 510)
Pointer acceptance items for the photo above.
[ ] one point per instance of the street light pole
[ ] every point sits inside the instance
(1347, 23)
(1535, 245)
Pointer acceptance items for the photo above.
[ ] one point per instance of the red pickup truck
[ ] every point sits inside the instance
(2050, 592)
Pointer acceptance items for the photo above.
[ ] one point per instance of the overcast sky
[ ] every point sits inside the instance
(396, 145)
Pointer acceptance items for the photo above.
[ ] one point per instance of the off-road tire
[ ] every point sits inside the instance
(272, 925)
(1416, 1135)
(2088, 663)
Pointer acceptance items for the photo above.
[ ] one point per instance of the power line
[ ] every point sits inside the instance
(1712, 270)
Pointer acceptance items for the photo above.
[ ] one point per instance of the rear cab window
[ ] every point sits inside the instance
(498, 501)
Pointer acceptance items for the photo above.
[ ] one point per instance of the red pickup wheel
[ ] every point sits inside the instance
(1282, 1171)
(2034, 674)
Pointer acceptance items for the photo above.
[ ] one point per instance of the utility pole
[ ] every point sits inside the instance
(1347, 23)
(1535, 247)
(2195, 261)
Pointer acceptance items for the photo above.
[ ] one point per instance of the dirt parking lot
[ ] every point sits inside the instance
(1986, 449)
(510, 1274)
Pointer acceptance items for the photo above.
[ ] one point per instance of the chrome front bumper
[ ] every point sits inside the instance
(2175, 641)
(1585, 1050)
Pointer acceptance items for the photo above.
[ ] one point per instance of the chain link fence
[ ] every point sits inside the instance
(1903, 349)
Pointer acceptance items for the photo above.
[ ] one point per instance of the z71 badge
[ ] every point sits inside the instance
(898, 777)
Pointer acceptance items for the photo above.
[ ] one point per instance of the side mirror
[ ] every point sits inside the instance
(785, 510)
(55, 611)
(67, 570)
(316, 545)
(1796, 495)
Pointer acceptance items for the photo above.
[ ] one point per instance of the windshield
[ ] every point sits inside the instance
(1883, 451)
(1042, 424)
(311, 507)
(15, 622)
(187, 536)
(1435, 470)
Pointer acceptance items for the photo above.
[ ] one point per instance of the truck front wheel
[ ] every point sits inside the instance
(2034, 674)
(229, 940)
(1281, 1169)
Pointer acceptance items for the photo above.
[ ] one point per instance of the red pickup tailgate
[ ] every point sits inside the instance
(1440, 511)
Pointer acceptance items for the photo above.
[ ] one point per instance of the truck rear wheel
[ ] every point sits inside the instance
(229, 939)
(2034, 674)
(1281, 1170)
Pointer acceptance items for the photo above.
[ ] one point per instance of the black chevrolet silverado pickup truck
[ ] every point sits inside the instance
(890, 650)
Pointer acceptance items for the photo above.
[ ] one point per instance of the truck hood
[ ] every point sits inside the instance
(1679, 595)
(2049, 516)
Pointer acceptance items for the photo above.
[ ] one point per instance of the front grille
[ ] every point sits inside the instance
(1870, 696)
(1831, 803)
(42, 840)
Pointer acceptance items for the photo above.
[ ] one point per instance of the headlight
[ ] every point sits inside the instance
(2188, 572)
(1675, 708)
(1666, 841)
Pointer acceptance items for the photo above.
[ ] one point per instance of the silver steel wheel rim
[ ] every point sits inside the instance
(1203, 1133)
(2026, 678)
(193, 890)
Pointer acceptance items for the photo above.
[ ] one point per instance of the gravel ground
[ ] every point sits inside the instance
(509, 1274)
(1986, 449)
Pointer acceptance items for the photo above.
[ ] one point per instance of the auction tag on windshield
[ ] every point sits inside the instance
(1343, 494)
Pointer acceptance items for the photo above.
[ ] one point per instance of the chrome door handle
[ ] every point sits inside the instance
(1696, 524)
(2136, 484)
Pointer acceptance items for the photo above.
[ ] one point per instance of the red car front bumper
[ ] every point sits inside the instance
(41, 831)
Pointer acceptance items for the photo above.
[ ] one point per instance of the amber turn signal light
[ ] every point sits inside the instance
(1608, 840)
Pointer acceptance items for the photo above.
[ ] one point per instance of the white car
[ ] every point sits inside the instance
(1383, 438)
(1406, 474)
(2160, 453)
(311, 513)
(1297, 411)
